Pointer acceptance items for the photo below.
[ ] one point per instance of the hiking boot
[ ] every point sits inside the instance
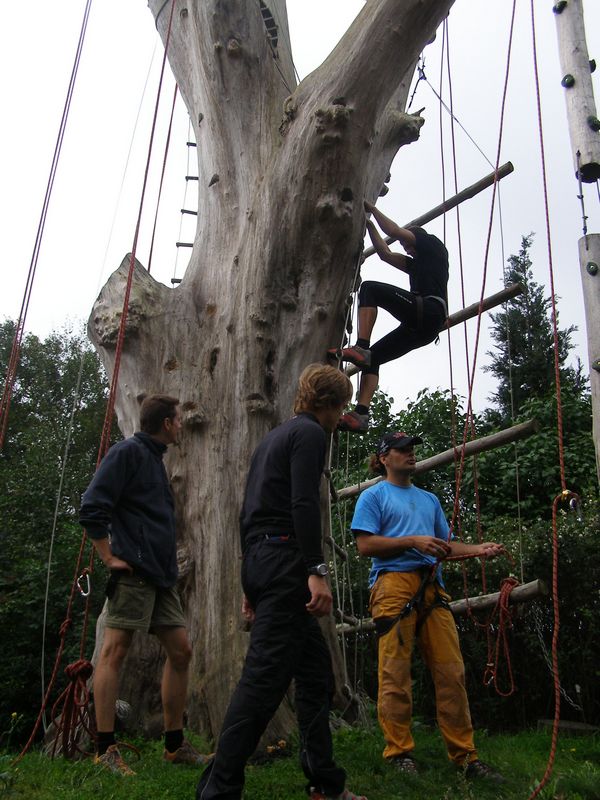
(359, 356)
(315, 794)
(186, 754)
(405, 764)
(353, 422)
(113, 761)
(479, 769)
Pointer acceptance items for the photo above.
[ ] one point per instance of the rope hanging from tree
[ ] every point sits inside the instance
(75, 699)
(13, 362)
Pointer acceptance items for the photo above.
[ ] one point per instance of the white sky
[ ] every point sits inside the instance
(77, 255)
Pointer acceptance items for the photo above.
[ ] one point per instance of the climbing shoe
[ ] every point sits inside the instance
(315, 794)
(359, 356)
(186, 754)
(479, 769)
(353, 422)
(113, 761)
(405, 764)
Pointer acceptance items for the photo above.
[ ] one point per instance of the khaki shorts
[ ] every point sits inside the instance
(137, 605)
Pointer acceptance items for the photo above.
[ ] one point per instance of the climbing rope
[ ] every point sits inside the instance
(75, 696)
(565, 494)
(13, 362)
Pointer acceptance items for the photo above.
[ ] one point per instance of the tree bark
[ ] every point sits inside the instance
(282, 175)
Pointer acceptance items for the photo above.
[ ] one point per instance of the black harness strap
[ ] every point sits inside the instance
(383, 625)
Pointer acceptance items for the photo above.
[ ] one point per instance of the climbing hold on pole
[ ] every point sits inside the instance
(568, 81)
(596, 365)
(592, 268)
(594, 123)
(559, 7)
(592, 65)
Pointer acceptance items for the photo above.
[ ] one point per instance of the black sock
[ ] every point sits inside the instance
(173, 740)
(364, 343)
(105, 739)
(364, 410)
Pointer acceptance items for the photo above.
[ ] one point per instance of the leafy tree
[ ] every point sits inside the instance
(523, 361)
(30, 469)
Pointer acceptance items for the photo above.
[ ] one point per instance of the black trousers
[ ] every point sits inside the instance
(421, 319)
(285, 642)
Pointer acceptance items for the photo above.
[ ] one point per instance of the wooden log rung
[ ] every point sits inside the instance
(499, 439)
(520, 594)
(494, 300)
(452, 202)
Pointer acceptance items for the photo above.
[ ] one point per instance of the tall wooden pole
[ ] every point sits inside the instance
(589, 259)
(584, 131)
(584, 126)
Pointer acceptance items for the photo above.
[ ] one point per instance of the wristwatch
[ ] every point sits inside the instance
(319, 569)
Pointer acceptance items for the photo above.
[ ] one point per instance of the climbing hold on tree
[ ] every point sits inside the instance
(559, 7)
(592, 268)
(568, 81)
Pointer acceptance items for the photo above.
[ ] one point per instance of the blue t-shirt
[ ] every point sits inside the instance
(389, 510)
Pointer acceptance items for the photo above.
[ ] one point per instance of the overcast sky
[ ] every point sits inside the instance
(122, 52)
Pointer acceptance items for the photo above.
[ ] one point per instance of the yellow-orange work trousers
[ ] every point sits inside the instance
(438, 641)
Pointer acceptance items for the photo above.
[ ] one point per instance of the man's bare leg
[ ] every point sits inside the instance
(367, 315)
(368, 385)
(175, 675)
(106, 676)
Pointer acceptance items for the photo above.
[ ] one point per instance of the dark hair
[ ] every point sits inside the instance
(155, 409)
(321, 386)
(376, 467)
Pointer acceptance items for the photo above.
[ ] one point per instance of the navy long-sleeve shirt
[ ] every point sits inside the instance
(129, 498)
(283, 488)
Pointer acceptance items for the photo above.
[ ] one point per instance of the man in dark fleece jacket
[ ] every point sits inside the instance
(128, 512)
(285, 590)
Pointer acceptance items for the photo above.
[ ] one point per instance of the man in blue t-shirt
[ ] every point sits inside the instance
(404, 531)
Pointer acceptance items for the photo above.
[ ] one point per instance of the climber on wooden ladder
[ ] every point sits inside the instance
(422, 311)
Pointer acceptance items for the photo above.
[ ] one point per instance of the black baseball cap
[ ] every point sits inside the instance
(395, 440)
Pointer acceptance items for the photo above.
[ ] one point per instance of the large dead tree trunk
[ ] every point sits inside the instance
(282, 176)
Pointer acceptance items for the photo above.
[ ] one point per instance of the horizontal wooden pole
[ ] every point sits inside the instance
(498, 439)
(520, 594)
(512, 290)
(452, 202)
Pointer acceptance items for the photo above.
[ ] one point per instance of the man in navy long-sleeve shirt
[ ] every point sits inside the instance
(285, 590)
(128, 512)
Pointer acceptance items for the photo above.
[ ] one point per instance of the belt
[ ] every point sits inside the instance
(272, 537)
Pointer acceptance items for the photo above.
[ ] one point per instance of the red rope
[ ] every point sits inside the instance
(13, 362)
(485, 267)
(73, 695)
(504, 614)
(565, 493)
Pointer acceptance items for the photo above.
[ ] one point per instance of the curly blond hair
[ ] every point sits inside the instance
(321, 386)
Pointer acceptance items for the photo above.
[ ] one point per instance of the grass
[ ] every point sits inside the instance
(521, 758)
